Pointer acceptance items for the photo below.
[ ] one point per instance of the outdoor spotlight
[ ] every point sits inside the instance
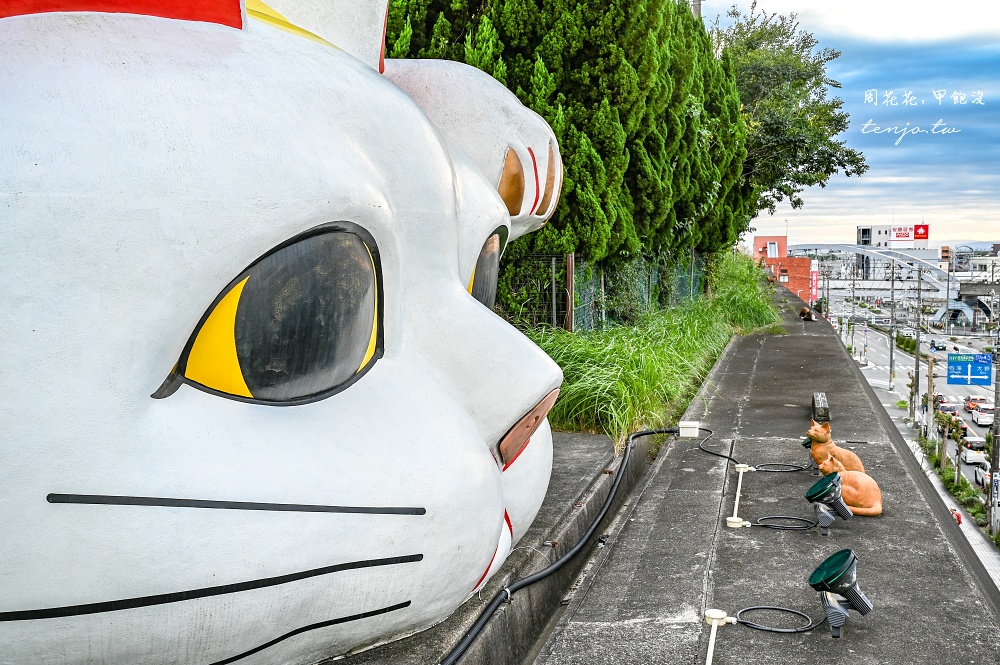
(824, 518)
(807, 444)
(836, 579)
(826, 491)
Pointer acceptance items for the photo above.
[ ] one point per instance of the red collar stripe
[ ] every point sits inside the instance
(223, 12)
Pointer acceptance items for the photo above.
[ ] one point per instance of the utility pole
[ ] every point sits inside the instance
(993, 505)
(931, 406)
(916, 360)
(943, 457)
(947, 296)
(854, 303)
(892, 325)
(827, 308)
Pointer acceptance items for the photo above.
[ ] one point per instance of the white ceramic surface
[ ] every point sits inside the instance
(144, 164)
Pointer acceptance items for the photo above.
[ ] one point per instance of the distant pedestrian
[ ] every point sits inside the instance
(957, 515)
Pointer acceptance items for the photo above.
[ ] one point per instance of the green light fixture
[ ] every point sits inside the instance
(826, 494)
(836, 579)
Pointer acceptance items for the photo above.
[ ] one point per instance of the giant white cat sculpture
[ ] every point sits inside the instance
(253, 407)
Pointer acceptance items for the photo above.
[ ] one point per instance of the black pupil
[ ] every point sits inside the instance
(305, 317)
(484, 285)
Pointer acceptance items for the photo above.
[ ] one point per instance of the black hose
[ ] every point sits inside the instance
(506, 593)
(771, 629)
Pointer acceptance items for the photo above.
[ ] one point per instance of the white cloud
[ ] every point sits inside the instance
(885, 20)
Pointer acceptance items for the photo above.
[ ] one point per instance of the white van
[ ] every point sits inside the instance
(984, 414)
(973, 442)
(970, 456)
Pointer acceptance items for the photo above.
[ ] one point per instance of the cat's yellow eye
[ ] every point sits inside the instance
(300, 324)
(483, 284)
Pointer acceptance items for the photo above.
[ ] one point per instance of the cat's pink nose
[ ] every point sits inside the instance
(514, 441)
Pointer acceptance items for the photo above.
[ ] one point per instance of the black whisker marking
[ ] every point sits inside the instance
(110, 500)
(321, 624)
(161, 599)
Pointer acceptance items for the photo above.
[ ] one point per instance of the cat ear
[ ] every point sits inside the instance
(356, 26)
(826, 427)
(814, 423)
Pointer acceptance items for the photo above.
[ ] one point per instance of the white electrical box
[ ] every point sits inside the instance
(689, 428)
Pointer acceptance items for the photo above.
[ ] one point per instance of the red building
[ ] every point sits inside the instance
(790, 272)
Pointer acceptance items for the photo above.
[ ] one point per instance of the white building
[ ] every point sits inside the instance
(894, 236)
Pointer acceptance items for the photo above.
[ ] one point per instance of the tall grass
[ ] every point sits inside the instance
(625, 378)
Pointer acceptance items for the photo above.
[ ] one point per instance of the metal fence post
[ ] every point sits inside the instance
(554, 292)
(570, 290)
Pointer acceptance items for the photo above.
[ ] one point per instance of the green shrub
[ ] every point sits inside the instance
(624, 378)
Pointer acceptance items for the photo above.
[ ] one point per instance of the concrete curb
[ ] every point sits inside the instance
(516, 628)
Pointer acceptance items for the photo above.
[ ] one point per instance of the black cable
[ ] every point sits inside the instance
(771, 629)
(805, 525)
(505, 594)
(787, 468)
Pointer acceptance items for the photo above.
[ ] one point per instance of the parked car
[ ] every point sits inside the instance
(981, 474)
(973, 456)
(973, 442)
(972, 400)
(908, 332)
(984, 414)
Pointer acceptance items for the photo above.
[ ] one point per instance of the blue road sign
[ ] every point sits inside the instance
(970, 369)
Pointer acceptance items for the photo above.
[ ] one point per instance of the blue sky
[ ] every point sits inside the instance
(949, 179)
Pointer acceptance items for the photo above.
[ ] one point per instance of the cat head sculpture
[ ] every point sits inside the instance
(256, 404)
(819, 432)
(830, 465)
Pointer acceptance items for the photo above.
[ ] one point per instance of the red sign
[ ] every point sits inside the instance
(226, 12)
(813, 281)
(920, 232)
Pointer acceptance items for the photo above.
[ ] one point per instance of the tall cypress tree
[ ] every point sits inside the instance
(647, 118)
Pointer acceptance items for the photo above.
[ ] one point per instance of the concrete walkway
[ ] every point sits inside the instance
(670, 556)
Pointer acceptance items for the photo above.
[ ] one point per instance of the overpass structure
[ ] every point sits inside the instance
(959, 298)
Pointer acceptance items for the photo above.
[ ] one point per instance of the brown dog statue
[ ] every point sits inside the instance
(823, 447)
(858, 490)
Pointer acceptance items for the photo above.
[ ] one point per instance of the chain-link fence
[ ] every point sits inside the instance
(539, 290)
